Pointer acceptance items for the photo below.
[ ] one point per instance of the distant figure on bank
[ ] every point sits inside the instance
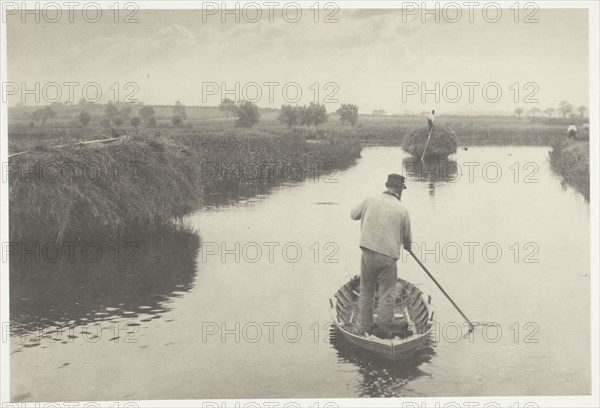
(431, 120)
(572, 131)
(384, 228)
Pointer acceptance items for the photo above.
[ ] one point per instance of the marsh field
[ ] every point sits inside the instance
(182, 166)
(166, 294)
(65, 126)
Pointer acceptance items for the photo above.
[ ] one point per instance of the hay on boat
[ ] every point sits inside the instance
(441, 144)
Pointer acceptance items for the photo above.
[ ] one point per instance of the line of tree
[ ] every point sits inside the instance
(115, 117)
(311, 115)
(564, 109)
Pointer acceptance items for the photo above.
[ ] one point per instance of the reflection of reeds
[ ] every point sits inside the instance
(442, 143)
(571, 159)
(149, 180)
(125, 279)
(431, 170)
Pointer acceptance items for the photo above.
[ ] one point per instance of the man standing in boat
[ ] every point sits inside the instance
(572, 131)
(385, 227)
(431, 120)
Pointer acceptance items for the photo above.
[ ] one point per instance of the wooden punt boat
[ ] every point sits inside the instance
(411, 307)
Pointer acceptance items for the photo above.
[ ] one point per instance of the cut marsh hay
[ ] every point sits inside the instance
(99, 190)
(150, 181)
(441, 144)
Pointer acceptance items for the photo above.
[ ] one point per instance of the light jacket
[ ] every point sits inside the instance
(385, 224)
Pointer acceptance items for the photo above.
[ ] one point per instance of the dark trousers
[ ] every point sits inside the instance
(430, 123)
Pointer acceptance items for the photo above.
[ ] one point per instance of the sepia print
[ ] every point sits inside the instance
(299, 204)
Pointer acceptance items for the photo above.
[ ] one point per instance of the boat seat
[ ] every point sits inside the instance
(396, 328)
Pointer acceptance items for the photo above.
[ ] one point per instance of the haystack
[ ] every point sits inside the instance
(441, 144)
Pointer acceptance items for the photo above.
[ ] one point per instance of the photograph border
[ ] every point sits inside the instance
(593, 8)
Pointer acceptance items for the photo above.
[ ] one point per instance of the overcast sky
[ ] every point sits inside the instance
(367, 54)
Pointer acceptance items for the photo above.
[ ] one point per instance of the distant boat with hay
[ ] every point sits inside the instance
(441, 144)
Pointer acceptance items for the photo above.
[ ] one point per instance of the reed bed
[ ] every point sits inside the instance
(571, 160)
(151, 180)
(68, 193)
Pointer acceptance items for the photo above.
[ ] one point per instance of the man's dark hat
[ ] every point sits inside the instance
(395, 180)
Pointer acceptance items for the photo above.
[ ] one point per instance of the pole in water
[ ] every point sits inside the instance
(471, 326)
(426, 144)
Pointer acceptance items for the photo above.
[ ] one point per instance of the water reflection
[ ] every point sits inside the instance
(132, 280)
(431, 171)
(380, 378)
(228, 194)
(232, 186)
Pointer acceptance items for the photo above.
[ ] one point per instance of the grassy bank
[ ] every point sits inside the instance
(571, 160)
(153, 178)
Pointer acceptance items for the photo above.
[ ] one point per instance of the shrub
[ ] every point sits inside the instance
(84, 118)
(247, 114)
(348, 114)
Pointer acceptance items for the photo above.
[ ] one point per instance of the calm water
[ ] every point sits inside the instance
(189, 320)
